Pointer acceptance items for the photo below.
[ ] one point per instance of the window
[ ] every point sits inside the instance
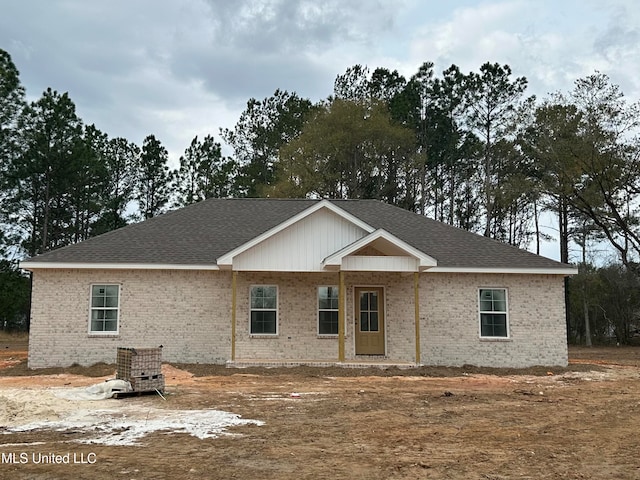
(369, 312)
(264, 308)
(327, 310)
(104, 308)
(493, 312)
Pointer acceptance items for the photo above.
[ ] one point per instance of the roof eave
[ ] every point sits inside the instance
(32, 265)
(564, 271)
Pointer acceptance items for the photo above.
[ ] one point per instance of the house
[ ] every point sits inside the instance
(275, 281)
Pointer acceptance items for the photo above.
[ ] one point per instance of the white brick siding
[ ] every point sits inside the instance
(450, 323)
(297, 337)
(189, 313)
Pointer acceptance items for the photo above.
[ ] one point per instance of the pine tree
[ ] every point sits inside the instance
(153, 187)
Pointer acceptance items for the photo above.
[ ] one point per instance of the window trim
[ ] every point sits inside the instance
(505, 313)
(318, 310)
(276, 309)
(102, 333)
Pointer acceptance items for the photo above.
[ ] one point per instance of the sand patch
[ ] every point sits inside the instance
(105, 422)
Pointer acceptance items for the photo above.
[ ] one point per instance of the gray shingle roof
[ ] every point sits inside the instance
(200, 233)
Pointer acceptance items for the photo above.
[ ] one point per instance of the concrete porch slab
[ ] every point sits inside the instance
(351, 363)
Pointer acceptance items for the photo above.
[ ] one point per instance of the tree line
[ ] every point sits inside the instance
(469, 149)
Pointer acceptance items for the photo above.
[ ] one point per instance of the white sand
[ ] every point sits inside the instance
(109, 422)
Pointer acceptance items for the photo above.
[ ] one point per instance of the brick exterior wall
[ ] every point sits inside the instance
(189, 313)
(297, 317)
(449, 321)
(297, 337)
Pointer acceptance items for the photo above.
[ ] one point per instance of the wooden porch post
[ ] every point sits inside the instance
(416, 300)
(341, 316)
(234, 281)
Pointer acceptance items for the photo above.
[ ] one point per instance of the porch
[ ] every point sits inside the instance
(350, 319)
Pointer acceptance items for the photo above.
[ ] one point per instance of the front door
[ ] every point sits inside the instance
(369, 321)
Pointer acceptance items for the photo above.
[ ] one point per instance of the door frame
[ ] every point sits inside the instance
(356, 319)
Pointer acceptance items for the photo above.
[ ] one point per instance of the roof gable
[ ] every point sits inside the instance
(343, 225)
(381, 240)
(299, 244)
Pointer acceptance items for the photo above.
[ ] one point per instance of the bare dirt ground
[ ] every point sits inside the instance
(581, 422)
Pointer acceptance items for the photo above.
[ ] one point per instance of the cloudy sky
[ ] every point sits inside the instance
(180, 68)
(183, 68)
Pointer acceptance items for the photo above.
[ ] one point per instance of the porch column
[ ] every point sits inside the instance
(341, 316)
(416, 300)
(234, 281)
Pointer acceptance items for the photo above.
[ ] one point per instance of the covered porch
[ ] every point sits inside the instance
(325, 288)
(362, 311)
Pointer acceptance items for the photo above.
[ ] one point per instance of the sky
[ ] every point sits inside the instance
(177, 69)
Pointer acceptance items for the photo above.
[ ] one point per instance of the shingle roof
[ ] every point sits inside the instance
(202, 232)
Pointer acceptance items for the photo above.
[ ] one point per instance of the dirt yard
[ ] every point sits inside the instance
(312, 423)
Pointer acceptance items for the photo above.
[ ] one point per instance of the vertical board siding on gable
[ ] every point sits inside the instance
(302, 246)
(188, 312)
(449, 321)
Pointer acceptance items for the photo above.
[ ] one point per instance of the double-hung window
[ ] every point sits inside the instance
(264, 310)
(493, 312)
(327, 310)
(105, 308)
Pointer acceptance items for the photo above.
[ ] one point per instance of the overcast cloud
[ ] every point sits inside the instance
(181, 68)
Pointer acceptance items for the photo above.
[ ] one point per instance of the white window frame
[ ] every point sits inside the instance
(337, 309)
(505, 313)
(276, 309)
(92, 308)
